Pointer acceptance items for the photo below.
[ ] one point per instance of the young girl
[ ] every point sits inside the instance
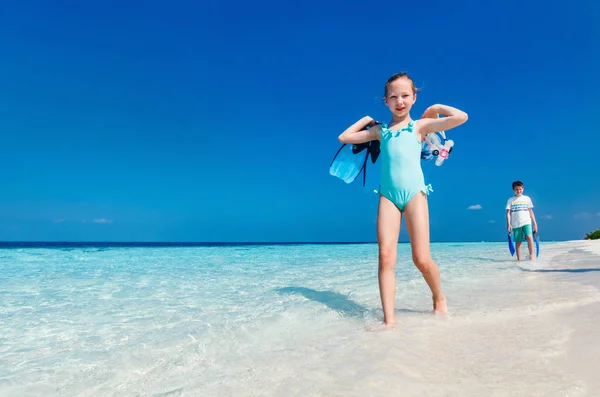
(402, 188)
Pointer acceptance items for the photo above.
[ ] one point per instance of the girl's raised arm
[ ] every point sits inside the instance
(357, 132)
(431, 123)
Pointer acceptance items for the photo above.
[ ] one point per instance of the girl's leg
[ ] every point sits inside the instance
(416, 216)
(388, 231)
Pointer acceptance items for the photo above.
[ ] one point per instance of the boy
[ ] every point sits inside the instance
(519, 217)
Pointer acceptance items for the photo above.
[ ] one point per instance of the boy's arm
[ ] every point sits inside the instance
(508, 216)
(535, 228)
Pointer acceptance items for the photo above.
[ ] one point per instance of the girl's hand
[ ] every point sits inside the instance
(372, 123)
(430, 113)
(358, 132)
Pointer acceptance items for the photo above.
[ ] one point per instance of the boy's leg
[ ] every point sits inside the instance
(519, 238)
(529, 235)
(416, 215)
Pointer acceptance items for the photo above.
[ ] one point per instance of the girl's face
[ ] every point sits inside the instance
(400, 97)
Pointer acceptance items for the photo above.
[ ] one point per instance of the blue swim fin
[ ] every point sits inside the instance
(511, 244)
(351, 160)
(537, 245)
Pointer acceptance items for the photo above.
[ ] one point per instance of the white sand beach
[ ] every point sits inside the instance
(549, 346)
(579, 262)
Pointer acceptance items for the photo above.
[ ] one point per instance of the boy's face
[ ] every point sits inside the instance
(518, 190)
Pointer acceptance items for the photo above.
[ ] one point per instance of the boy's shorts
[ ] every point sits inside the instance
(520, 233)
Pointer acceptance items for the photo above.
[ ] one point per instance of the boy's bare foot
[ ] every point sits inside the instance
(440, 305)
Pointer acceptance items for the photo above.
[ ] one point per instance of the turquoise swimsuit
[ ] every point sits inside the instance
(401, 174)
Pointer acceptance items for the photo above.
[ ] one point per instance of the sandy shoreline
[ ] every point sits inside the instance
(539, 337)
(580, 263)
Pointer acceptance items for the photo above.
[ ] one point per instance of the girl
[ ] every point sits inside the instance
(402, 188)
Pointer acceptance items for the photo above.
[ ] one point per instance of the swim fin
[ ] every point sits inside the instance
(351, 160)
(511, 244)
(537, 244)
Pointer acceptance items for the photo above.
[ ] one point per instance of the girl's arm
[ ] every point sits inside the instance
(357, 133)
(430, 122)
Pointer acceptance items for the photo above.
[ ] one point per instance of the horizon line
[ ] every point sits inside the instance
(221, 243)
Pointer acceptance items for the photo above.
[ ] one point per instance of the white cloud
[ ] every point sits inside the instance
(598, 213)
(492, 222)
(59, 220)
(102, 220)
(547, 217)
(475, 207)
(582, 215)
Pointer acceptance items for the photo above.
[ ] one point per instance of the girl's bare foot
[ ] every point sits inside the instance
(440, 305)
(381, 326)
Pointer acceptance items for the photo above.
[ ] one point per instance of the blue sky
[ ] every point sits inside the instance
(216, 121)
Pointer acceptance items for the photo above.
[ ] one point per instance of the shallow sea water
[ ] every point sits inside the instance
(280, 320)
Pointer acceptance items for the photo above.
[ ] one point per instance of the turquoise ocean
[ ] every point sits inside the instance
(263, 320)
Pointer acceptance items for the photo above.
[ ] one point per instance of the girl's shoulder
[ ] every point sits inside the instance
(377, 129)
(420, 123)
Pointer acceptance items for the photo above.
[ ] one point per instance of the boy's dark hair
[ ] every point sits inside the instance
(517, 184)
